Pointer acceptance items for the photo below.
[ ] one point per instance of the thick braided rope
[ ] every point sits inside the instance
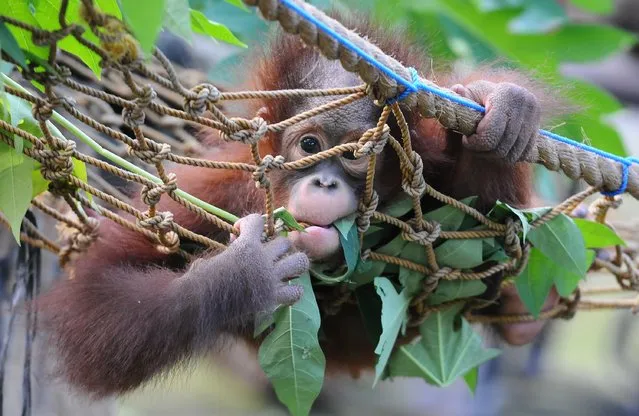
(390, 80)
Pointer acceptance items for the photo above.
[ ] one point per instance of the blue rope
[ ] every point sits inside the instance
(415, 85)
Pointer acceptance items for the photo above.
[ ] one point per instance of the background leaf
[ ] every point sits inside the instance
(597, 235)
(15, 190)
(200, 24)
(46, 15)
(291, 355)
(144, 17)
(19, 9)
(595, 6)
(9, 44)
(177, 19)
(109, 7)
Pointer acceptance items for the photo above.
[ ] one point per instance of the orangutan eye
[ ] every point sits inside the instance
(310, 144)
(348, 155)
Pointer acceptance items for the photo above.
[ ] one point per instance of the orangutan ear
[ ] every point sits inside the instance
(264, 113)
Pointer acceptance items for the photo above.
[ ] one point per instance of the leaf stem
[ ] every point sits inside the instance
(123, 163)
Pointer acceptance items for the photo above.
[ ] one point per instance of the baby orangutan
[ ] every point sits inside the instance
(131, 313)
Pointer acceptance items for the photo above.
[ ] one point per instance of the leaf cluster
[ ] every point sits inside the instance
(446, 347)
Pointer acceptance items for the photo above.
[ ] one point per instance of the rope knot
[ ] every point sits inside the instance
(267, 163)
(201, 95)
(44, 110)
(134, 116)
(422, 232)
(151, 194)
(170, 242)
(247, 131)
(366, 209)
(57, 163)
(160, 221)
(373, 145)
(599, 207)
(154, 153)
(77, 240)
(415, 185)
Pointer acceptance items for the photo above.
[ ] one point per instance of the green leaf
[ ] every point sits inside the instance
(367, 270)
(21, 116)
(394, 308)
(597, 235)
(345, 224)
(449, 217)
(47, 17)
(287, 218)
(145, 19)
(15, 191)
(80, 170)
(461, 254)
(349, 240)
(535, 281)
(109, 7)
(200, 24)
(493, 5)
(237, 3)
(595, 6)
(541, 272)
(177, 19)
(9, 44)
(443, 354)
(86, 55)
(400, 206)
(9, 157)
(5, 68)
(539, 16)
(19, 10)
(411, 279)
(561, 241)
(471, 379)
(566, 282)
(291, 355)
(533, 214)
(38, 183)
(501, 210)
(456, 289)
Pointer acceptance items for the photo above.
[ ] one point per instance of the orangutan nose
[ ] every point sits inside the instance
(327, 182)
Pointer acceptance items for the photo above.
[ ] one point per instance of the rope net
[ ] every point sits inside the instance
(127, 148)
